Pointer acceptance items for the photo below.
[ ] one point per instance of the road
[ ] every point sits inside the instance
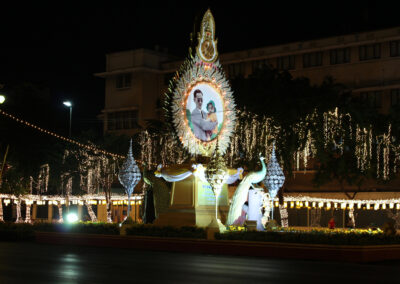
(38, 263)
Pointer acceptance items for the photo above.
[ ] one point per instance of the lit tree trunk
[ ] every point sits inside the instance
(109, 219)
(60, 213)
(19, 219)
(28, 213)
(352, 217)
(1, 211)
(129, 207)
(93, 217)
(284, 216)
(107, 192)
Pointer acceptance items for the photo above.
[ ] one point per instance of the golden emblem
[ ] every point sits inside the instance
(207, 46)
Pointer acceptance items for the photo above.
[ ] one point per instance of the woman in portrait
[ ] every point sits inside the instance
(212, 117)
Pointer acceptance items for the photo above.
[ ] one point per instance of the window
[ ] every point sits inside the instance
(395, 48)
(235, 69)
(258, 64)
(374, 98)
(371, 51)
(122, 120)
(312, 59)
(340, 56)
(395, 97)
(123, 81)
(285, 62)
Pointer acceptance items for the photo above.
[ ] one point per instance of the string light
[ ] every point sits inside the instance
(88, 147)
(81, 145)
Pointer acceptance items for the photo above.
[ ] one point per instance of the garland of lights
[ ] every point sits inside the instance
(72, 199)
(88, 147)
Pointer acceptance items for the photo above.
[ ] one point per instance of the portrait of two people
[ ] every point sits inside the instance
(204, 122)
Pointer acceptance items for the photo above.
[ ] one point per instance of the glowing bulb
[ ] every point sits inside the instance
(72, 218)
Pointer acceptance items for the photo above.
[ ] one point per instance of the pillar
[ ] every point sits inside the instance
(34, 211)
(50, 212)
(80, 212)
(102, 212)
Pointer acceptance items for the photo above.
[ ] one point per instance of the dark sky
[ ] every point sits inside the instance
(63, 43)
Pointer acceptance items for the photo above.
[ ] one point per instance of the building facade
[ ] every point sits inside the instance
(367, 63)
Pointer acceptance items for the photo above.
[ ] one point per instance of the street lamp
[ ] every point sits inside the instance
(2, 99)
(69, 104)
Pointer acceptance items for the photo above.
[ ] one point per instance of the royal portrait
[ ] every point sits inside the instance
(204, 112)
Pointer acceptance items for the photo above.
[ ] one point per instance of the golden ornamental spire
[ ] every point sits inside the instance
(207, 46)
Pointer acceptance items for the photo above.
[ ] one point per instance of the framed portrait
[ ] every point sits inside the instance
(205, 112)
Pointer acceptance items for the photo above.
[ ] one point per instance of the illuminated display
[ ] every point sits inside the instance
(203, 108)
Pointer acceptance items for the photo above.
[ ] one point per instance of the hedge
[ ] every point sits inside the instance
(313, 237)
(80, 228)
(166, 231)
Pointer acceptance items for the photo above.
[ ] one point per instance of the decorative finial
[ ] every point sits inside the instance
(275, 177)
(216, 174)
(207, 46)
(129, 175)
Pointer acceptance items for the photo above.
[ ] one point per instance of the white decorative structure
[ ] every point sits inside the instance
(274, 178)
(198, 171)
(129, 175)
(241, 193)
(255, 206)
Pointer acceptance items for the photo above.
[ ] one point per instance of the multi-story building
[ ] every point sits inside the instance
(367, 63)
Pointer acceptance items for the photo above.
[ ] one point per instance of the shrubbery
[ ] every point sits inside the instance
(167, 231)
(16, 232)
(80, 228)
(313, 237)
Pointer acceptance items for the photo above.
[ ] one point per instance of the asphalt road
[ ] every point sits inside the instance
(37, 263)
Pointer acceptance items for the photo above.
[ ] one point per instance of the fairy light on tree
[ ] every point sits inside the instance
(1, 210)
(129, 176)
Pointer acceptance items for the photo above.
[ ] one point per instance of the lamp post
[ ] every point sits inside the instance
(69, 104)
(2, 99)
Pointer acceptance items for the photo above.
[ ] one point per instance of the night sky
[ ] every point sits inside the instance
(61, 44)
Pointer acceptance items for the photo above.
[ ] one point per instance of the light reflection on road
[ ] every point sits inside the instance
(36, 263)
